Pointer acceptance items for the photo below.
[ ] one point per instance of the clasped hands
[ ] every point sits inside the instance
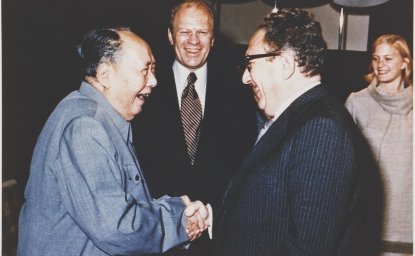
(198, 218)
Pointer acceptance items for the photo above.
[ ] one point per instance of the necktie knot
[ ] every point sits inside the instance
(190, 90)
(191, 78)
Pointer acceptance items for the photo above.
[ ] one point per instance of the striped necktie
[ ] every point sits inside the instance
(191, 114)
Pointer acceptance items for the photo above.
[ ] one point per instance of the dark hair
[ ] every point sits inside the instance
(296, 30)
(187, 4)
(99, 46)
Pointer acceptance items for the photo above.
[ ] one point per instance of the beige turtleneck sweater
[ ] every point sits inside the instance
(386, 122)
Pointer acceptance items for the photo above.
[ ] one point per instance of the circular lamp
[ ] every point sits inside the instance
(359, 3)
(296, 3)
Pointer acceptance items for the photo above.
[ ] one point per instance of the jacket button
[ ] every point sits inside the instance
(137, 177)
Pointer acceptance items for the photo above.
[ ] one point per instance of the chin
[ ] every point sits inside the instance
(193, 64)
(134, 113)
(138, 112)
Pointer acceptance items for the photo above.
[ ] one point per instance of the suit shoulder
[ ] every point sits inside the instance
(78, 104)
(74, 106)
(327, 108)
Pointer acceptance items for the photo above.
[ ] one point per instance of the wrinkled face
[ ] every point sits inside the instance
(262, 75)
(131, 78)
(192, 36)
(387, 64)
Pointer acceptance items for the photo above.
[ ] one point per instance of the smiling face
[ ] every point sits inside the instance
(130, 79)
(388, 64)
(192, 36)
(262, 75)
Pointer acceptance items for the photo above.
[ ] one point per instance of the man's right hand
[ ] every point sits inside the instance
(198, 218)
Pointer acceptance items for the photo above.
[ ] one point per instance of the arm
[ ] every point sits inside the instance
(321, 185)
(92, 187)
(349, 104)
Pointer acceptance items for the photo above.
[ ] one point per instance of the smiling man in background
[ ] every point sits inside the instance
(200, 121)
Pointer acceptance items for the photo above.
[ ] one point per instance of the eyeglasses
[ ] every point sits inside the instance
(248, 58)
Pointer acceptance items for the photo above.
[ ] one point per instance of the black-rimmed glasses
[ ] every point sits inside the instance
(248, 58)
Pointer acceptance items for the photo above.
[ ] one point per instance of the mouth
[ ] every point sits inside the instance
(143, 96)
(255, 89)
(192, 51)
(382, 72)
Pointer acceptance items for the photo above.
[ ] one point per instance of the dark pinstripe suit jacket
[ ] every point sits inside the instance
(301, 190)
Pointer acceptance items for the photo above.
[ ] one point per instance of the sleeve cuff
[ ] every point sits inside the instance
(209, 207)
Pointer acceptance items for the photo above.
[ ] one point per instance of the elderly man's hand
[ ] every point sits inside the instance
(198, 218)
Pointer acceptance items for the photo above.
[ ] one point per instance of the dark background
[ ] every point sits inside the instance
(40, 62)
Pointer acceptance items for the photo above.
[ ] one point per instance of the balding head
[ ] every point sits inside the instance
(120, 65)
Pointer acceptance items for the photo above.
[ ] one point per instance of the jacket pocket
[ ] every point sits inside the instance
(134, 183)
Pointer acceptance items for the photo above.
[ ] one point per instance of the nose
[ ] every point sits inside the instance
(152, 81)
(381, 62)
(246, 77)
(193, 38)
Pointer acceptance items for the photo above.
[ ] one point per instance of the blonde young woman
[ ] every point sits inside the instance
(383, 111)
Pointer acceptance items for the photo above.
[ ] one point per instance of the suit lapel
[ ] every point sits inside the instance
(274, 136)
(168, 100)
(169, 92)
(212, 97)
(212, 113)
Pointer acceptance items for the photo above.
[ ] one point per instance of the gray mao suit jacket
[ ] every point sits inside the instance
(86, 193)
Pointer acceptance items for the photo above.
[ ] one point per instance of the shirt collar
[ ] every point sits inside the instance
(283, 107)
(181, 73)
(180, 78)
(122, 125)
(290, 100)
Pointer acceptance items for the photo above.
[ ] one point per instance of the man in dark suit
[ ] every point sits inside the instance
(200, 155)
(301, 190)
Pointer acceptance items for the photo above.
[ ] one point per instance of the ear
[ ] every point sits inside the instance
(170, 35)
(213, 41)
(405, 63)
(288, 65)
(103, 75)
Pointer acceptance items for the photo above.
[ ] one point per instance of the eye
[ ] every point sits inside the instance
(249, 66)
(184, 32)
(202, 33)
(145, 71)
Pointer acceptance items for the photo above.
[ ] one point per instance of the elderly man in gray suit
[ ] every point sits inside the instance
(303, 188)
(86, 193)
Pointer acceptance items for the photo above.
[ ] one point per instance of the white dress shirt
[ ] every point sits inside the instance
(180, 77)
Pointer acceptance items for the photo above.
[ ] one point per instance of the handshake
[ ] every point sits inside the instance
(199, 218)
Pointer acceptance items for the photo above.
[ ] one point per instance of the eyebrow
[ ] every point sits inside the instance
(385, 55)
(149, 63)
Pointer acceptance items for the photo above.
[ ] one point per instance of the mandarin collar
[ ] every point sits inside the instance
(122, 125)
